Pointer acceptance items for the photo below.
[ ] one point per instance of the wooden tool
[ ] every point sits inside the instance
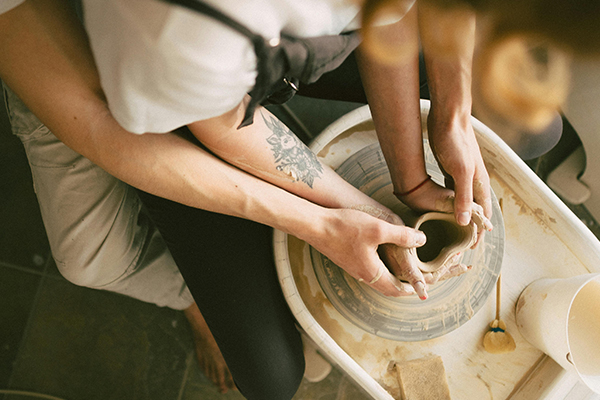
(497, 340)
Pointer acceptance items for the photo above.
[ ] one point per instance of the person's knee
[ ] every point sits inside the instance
(84, 270)
(268, 369)
(96, 263)
(108, 244)
(278, 381)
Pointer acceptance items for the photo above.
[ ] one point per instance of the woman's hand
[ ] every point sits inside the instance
(405, 269)
(393, 270)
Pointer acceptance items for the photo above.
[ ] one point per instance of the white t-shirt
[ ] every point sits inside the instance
(163, 66)
(7, 5)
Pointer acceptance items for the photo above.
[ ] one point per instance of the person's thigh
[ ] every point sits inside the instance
(98, 236)
(228, 265)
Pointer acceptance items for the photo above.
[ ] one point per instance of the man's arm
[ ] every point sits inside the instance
(448, 40)
(392, 89)
(46, 60)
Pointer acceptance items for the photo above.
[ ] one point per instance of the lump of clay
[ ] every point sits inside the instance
(445, 239)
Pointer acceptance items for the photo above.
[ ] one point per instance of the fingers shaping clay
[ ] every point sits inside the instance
(445, 239)
(423, 379)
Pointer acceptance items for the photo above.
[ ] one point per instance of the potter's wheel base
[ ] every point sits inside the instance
(451, 303)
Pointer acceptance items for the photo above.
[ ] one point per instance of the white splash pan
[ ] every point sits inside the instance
(543, 239)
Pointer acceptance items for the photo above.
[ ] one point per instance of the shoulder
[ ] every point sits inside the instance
(162, 66)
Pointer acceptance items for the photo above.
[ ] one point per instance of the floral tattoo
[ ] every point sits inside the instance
(292, 157)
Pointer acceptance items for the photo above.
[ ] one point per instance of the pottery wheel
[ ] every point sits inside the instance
(451, 303)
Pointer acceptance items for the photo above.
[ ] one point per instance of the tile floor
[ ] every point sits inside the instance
(82, 344)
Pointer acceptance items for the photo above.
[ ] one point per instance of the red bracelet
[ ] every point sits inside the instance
(403, 194)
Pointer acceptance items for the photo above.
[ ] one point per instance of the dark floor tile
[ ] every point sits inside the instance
(17, 293)
(327, 389)
(23, 239)
(586, 217)
(337, 386)
(350, 391)
(51, 270)
(546, 163)
(197, 387)
(86, 344)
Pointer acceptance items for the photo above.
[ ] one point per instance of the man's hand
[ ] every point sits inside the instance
(456, 150)
(351, 239)
(433, 197)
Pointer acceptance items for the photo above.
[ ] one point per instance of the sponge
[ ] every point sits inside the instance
(423, 379)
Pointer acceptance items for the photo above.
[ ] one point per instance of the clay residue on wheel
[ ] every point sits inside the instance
(366, 126)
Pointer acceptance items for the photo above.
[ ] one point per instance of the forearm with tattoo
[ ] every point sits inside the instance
(292, 157)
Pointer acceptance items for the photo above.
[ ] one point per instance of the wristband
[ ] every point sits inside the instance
(403, 194)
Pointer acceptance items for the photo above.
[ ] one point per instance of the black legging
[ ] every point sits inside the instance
(228, 265)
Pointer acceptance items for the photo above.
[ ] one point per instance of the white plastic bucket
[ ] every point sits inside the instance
(561, 317)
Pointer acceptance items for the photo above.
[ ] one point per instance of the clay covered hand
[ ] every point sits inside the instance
(357, 236)
(404, 288)
(406, 268)
(455, 148)
(440, 256)
(446, 240)
(433, 197)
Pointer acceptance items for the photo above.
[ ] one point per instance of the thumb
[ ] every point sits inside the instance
(404, 236)
(463, 200)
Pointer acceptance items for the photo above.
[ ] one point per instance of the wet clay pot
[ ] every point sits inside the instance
(445, 239)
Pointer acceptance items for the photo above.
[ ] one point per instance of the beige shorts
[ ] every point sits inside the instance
(98, 233)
